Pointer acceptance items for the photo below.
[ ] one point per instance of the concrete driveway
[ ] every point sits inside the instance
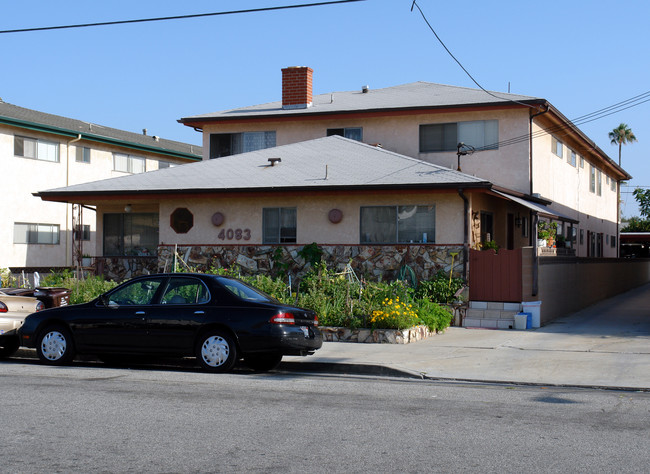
(605, 345)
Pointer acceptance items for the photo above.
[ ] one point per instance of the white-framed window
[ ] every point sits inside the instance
(556, 147)
(128, 163)
(353, 133)
(612, 184)
(82, 232)
(582, 161)
(599, 182)
(398, 224)
(279, 225)
(43, 150)
(226, 144)
(480, 134)
(83, 154)
(592, 178)
(34, 233)
(571, 157)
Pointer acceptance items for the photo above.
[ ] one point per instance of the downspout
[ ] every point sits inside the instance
(68, 249)
(465, 233)
(535, 216)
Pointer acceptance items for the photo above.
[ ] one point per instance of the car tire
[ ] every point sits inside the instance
(263, 362)
(216, 351)
(55, 346)
(8, 346)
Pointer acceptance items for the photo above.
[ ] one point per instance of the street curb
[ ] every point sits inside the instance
(385, 371)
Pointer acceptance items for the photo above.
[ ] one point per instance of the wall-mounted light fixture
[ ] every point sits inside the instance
(128, 208)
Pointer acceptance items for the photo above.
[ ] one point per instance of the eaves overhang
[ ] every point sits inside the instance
(312, 113)
(87, 196)
(95, 138)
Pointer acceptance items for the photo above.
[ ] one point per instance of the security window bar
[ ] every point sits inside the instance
(353, 133)
(413, 224)
(32, 233)
(479, 134)
(36, 149)
(279, 225)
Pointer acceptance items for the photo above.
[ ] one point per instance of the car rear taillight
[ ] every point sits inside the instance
(40, 306)
(283, 318)
(3, 307)
(315, 320)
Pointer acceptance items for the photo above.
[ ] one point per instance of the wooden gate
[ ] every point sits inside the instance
(495, 277)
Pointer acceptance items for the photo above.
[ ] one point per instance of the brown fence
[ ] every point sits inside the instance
(495, 277)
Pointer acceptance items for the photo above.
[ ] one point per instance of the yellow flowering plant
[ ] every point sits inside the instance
(394, 314)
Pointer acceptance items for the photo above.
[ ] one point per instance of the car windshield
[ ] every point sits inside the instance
(243, 291)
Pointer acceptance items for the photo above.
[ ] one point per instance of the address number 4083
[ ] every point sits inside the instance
(234, 234)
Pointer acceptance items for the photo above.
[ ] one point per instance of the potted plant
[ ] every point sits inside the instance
(546, 232)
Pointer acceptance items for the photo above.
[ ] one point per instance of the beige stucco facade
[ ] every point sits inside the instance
(24, 176)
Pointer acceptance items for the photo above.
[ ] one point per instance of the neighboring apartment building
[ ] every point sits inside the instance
(523, 145)
(42, 151)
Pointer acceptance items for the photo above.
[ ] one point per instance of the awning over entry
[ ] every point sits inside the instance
(540, 209)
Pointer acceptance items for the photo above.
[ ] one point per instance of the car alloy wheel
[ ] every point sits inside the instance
(55, 346)
(216, 352)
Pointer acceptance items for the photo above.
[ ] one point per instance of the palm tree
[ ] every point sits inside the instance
(621, 135)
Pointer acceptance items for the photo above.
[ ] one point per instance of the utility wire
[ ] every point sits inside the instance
(414, 4)
(179, 17)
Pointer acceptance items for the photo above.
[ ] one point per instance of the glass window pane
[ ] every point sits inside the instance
(472, 133)
(121, 162)
(416, 224)
(48, 151)
(354, 133)
(113, 242)
(271, 225)
(140, 234)
(137, 293)
(137, 164)
(378, 224)
(287, 226)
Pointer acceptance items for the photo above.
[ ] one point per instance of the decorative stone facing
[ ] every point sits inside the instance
(373, 262)
(122, 268)
(376, 336)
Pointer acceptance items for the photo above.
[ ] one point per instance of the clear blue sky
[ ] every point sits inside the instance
(582, 56)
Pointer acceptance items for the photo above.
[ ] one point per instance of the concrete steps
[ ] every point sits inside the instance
(488, 314)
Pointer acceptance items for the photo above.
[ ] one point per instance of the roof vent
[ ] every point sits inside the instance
(144, 131)
(273, 161)
(365, 89)
(156, 138)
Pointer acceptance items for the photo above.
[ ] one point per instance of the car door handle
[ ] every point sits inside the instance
(139, 312)
(199, 312)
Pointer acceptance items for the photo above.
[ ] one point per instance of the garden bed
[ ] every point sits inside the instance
(376, 336)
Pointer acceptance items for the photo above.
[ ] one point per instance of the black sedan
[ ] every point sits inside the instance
(216, 319)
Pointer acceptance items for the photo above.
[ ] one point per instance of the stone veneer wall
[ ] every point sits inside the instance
(374, 262)
(122, 268)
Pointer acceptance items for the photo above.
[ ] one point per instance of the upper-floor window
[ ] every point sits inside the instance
(556, 146)
(38, 149)
(571, 157)
(612, 184)
(599, 182)
(226, 144)
(31, 233)
(480, 134)
(279, 225)
(165, 164)
(398, 224)
(128, 163)
(83, 154)
(592, 178)
(353, 133)
(582, 161)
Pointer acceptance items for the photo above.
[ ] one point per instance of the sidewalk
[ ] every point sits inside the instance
(605, 345)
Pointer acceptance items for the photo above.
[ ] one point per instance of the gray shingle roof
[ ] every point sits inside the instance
(405, 96)
(33, 119)
(324, 163)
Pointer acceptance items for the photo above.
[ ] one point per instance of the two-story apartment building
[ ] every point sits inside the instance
(41, 151)
(521, 144)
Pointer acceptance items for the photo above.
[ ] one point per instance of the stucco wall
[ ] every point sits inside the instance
(24, 176)
(569, 285)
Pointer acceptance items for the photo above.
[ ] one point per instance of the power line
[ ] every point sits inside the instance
(178, 17)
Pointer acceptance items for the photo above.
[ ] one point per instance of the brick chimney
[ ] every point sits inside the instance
(297, 87)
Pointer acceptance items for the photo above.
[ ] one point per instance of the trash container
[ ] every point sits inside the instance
(52, 296)
(534, 308)
(520, 320)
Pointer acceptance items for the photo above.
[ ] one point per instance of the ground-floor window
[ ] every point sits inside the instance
(398, 224)
(31, 233)
(130, 234)
(279, 225)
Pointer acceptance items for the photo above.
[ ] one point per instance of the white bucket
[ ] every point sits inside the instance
(520, 321)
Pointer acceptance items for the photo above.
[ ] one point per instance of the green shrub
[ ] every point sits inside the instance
(440, 289)
(82, 291)
(431, 314)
